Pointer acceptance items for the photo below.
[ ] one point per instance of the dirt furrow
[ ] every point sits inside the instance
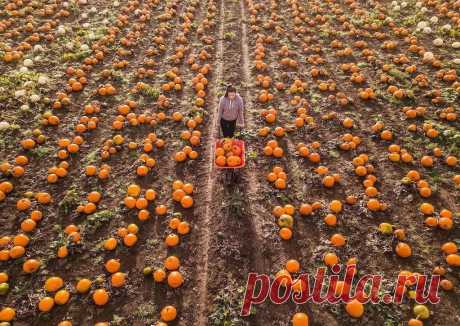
(205, 215)
(257, 220)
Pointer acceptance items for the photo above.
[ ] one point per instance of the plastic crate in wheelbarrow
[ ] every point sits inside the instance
(236, 146)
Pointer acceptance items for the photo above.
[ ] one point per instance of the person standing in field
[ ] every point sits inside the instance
(231, 112)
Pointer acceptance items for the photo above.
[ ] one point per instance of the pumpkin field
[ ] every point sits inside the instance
(113, 207)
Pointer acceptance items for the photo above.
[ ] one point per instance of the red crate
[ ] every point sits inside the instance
(240, 144)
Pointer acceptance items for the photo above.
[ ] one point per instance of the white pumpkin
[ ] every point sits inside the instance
(28, 63)
(19, 93)
(428, 56)
(446, 27)
(388, 20)
(4, 125)
(34, 98)
(422, 25)
(438, 41)
(84, 47)
(42, 80)
(28, 84)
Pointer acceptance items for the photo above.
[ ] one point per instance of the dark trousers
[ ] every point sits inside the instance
(228, 127)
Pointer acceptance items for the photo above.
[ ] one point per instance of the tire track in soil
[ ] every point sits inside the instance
(203, 238)
(232, 258)
(257, 224)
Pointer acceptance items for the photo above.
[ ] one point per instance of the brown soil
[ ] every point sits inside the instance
(233, 230)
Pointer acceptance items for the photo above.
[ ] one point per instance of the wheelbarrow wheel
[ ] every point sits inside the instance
(231, 176)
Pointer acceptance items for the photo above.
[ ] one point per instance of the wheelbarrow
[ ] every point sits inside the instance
(231, 173)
